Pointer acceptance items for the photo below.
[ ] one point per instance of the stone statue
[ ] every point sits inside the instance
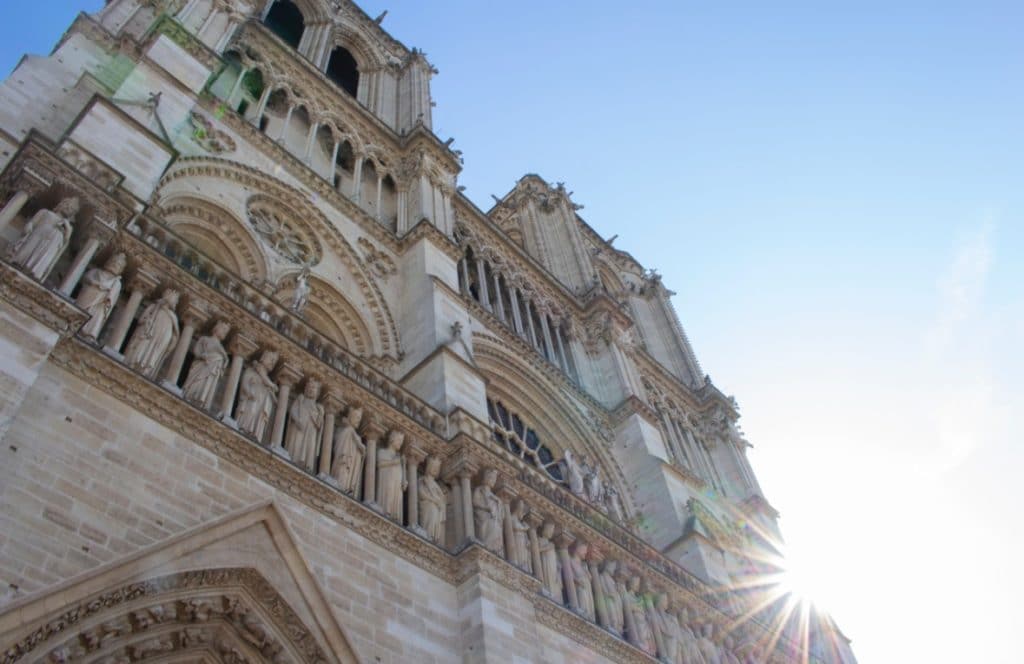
(350, 451)
(689, 644)
(45, 236)
(707, 645)
(728, 651)
(256, 396)
(608, 595)
(581, 577)
(391, 482)
(519, 547)
(101, 286)
(642, 636)
(155, 334)
(549, 567)
(305, 420)
(614, 505)
(594, 485)
(488, 513)
(208, 364)
(433, 505)
(666, 629)
(301, 295)
(573, 474)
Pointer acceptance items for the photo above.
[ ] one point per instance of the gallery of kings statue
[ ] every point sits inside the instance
(273, 389)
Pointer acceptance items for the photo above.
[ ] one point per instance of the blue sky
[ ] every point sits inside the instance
(836, 193)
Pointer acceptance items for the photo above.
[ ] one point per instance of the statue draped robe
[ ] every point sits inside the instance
(208, 365)
(432, 508)
(487, 514)
(348, 462)
(155, 334)
(255, 402)
(46, 234)
(305, 419)
(390, 478)
(98, 295)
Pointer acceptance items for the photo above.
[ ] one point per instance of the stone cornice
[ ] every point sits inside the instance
(44, 305)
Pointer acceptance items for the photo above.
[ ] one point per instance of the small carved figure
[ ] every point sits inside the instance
(614, 505)
(666, 629)
(728, 651)
(45, 236)
(305, 420)
(519, 547)
(155, 334)
(581, 578)
(192, 636)
(300, 297)
(689, 644)
(641, 635)
(152, 646)
(432, 501)
(101, 286)
(256, 396)
(391, 479)
(351, 451)
(608, 594)
(208, 363)
(550, 572)
(573, 474)
(706, 642)
(594, 485)
(488, 513)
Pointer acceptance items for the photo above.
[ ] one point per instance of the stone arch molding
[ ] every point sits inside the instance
(235, 591)
(330, 312)
(248, 183)
(560, 422)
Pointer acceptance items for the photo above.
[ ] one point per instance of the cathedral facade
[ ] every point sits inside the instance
(273, 389)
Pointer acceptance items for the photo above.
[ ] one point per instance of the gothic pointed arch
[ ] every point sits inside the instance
(235, 589)
(318, 233)
(545, 408)
(218, 233)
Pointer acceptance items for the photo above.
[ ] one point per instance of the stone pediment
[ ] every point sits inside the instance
(233, 590)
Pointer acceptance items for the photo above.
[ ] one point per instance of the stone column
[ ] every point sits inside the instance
(261, 107)
(466, 491)
(287, 376)
(237, 86)
(459, 521)
(334, 162)
(549, 346)
(310, 139)
(497, 293)
(629, 625)
(535, 521)
(481, 275)
(414, 456)
(240, 347)
(282, 135)
(595, 583)
(192, 316)
(78, 266)
(332, 404)
(380, 185)
(516, 315)
(12, 208)
(530, 327)
(562, 542)
(140, 285)
(508, 495)
(561, 349)
(464, 269)
(373, 433)
(357, 179)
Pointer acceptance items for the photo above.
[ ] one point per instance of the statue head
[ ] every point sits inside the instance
(661, 602)
(520, 508)
(610, 566)
(490, 477)
(684, 615)
(68, 207)
(395, 439)
(312, 389)
(116, 263)
(547, 530)
(634, 584)
(170, 297)
(581, 549)
(433, 466)
(268, 360)
(355, 416)
(220, 330)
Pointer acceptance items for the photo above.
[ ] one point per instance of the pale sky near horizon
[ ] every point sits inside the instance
(836, 193)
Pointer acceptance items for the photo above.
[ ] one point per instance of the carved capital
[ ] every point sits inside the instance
(143, 281)
(242, 345)
(288, 374)
(194, 313)
(564, 539)
(414, 451)
(372, 430)
(332, 400)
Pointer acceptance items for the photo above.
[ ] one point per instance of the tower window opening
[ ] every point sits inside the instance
(285, 20)
(343, 70)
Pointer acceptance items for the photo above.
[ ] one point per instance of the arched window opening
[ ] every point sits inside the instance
(285, 20)
(368, 188)
(343, 70)
(509, 431)
(272, 121)
(344, 167)
(251, 91)
(389, 203)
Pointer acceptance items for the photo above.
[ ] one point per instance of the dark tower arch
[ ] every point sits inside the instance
(286, 21)
(343, 69)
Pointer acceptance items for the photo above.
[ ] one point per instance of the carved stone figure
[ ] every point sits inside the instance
(729, 652)
(350, 451)
(594, 485)
(550, 572)
(707, 645)
(101, 286)
(45, 236)
(301, 295)
(581, 578)
(573, 474)
(152, 647)
(432, 501)
(305, 420)
(256, 396)
(689, 644)
(608, 594)
(642, 636)
(519, 547)
(666, 629)
(155, 334)
(391, 482)
(488, 513)
(208, 363)
(614, 505)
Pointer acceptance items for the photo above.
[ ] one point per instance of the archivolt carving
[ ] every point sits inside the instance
(220, 233)
(387, 341)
